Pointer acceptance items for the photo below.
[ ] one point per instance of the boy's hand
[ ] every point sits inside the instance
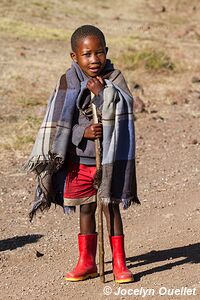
(94, 131)
(96, 85)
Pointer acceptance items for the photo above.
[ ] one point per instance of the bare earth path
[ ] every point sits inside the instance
(162, 235)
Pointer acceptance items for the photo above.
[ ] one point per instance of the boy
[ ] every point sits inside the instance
(64, 152)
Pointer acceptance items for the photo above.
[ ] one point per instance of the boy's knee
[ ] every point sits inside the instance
(115, 208)
(111, 210)
(88, 209)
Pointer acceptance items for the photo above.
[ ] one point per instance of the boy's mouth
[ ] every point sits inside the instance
(95, 69)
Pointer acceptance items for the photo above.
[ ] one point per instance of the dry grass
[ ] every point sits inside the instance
(21, 133)
(150, 59)
(29, 102)
(21, 29)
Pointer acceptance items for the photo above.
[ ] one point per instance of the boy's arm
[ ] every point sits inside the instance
(79, 128)
(83, 128)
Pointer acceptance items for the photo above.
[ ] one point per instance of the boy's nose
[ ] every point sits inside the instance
(94, 59)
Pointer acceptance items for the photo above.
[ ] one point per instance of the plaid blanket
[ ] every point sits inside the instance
(48, 156)
(118, 159)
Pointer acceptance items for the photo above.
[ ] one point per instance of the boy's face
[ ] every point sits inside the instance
(90, 55)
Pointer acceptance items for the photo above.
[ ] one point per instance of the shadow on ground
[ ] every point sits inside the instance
(19, 241)
(186, 254)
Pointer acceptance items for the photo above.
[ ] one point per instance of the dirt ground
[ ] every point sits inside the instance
(162, 234)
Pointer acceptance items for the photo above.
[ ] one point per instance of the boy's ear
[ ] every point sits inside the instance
(73, 56)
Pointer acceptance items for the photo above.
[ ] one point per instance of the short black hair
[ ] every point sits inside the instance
(83, 32)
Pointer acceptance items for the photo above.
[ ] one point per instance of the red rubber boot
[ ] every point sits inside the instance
(86, 266)
(120, 271)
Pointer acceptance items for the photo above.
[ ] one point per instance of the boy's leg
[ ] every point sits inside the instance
(113, 219)
(115, 230)
(87, 218)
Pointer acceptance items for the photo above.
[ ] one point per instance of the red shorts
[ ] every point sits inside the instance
(79, 181)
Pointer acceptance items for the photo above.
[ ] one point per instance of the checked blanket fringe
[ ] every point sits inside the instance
(47, 159)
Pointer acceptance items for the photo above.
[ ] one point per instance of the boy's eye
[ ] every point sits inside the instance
(100, 52)
(86, 54)
(97, 53)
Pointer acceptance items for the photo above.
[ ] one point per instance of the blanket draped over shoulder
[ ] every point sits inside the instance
(49, 153)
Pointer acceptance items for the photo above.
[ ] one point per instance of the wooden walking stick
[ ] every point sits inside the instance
(99, 204)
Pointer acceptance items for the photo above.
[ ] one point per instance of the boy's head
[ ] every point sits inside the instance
(89, 49)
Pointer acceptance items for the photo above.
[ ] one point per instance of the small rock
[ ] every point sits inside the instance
(174, 102)
(153, 111)
(117, 18)
(195, 79)
(139, 105)
(39, 254)
(157, 118)
(22, 53)
(163, 9)
(137, 89)
(194, 142)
